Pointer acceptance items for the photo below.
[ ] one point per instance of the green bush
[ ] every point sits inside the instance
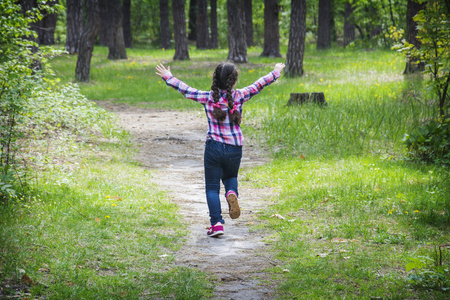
(430, 142)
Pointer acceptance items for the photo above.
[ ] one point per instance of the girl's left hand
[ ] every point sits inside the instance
(162, 71)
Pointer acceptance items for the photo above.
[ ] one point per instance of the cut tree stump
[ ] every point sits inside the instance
(300, 98)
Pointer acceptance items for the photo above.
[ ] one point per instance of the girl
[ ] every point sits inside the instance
(223, 150)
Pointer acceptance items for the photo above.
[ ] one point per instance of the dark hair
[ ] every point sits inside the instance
(224, 78)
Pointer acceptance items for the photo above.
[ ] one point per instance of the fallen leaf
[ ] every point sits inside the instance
(325, 200)
(27, 280)
(97, 220)
(286, 271)
(302, 156)
(44, 270)
(322, 254)
(338, 240)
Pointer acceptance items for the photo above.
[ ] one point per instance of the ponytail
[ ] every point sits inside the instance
(224, 78)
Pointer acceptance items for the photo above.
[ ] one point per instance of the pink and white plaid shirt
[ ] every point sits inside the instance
(222, 131)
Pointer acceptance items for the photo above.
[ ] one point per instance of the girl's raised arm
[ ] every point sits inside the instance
(161, 71)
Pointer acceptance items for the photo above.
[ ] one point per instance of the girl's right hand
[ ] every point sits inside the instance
(279, 67)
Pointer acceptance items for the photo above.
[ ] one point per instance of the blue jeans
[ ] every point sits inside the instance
(221, 162)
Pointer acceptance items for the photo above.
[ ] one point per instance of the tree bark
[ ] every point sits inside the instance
(116, 43)
(297, 35)
(126, 24)
(202, 25)
(103, 35)
(412, 65)
(271, 29)
(214, 30)
(248, 12)
(74, 24)
(179, 28)
(87, 40)
(47, 25)
(323, 29)
(192, 20)
(164, 23)
(349, 27)
(237, 45)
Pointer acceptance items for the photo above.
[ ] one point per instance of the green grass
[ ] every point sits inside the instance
(94, 227)
(357, 212)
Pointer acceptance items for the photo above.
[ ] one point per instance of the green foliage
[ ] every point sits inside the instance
(430, 142)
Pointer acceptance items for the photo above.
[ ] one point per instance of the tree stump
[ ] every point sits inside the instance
(300, 98)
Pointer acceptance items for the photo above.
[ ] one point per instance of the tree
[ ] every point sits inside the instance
(164, 23)
(104, 23)
(412, 63)
(74, 24)
(126, 23)
(46, 26)
(116, 43)
(323, 29)
(179, 28)
(248, 22)
(202, 25)
(192, 20)
(214, 30)
(87, 40)
(349, 26)
(237, 45)
(271, 29)
(297, 35)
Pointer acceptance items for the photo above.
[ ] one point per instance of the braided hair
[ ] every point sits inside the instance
(224, 78)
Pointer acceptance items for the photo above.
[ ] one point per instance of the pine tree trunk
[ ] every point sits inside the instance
(179, 28)
(105, 26)
(46, 31)
(87, 40)
(237, 45)
(74, 26)
(126, 24)
(349, 27)
(192, 20)
(164, 23)
(271, 29)
(202, 25)
(116, 43)
(214, 30)
(297, 35)
(248, 12)
(323, 29)
(411, 36)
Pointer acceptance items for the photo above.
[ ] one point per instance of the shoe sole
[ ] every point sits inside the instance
(217, 233)
(235, 210)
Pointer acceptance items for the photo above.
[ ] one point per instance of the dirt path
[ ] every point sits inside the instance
(172, 144)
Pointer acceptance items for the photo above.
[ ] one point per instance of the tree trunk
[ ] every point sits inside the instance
(47, 25)
(297, 35)
(237, 45)
(26, 7)
(116, 43)
(323, 29)
(126, 24)
(214, 30)
(87, 40)
(333, 33)
(349, 27)
(74, 26)
(179, 28)
(248, 12)
(164, 23)
(103, 36)
(412, 9)
(271, 29)
(202, 25)
(192, 20)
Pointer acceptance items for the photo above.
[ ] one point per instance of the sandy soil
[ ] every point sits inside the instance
(172, 144)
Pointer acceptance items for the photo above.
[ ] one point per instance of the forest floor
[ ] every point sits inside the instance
(171, 145)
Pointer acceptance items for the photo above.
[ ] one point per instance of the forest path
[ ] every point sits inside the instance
(171, 143)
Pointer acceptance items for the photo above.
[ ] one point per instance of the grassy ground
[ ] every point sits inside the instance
(353, 218)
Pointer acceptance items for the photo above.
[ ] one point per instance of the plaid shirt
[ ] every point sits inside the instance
(222, 131)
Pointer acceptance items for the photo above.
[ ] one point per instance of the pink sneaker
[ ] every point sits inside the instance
(233, 205)
(215, 230)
